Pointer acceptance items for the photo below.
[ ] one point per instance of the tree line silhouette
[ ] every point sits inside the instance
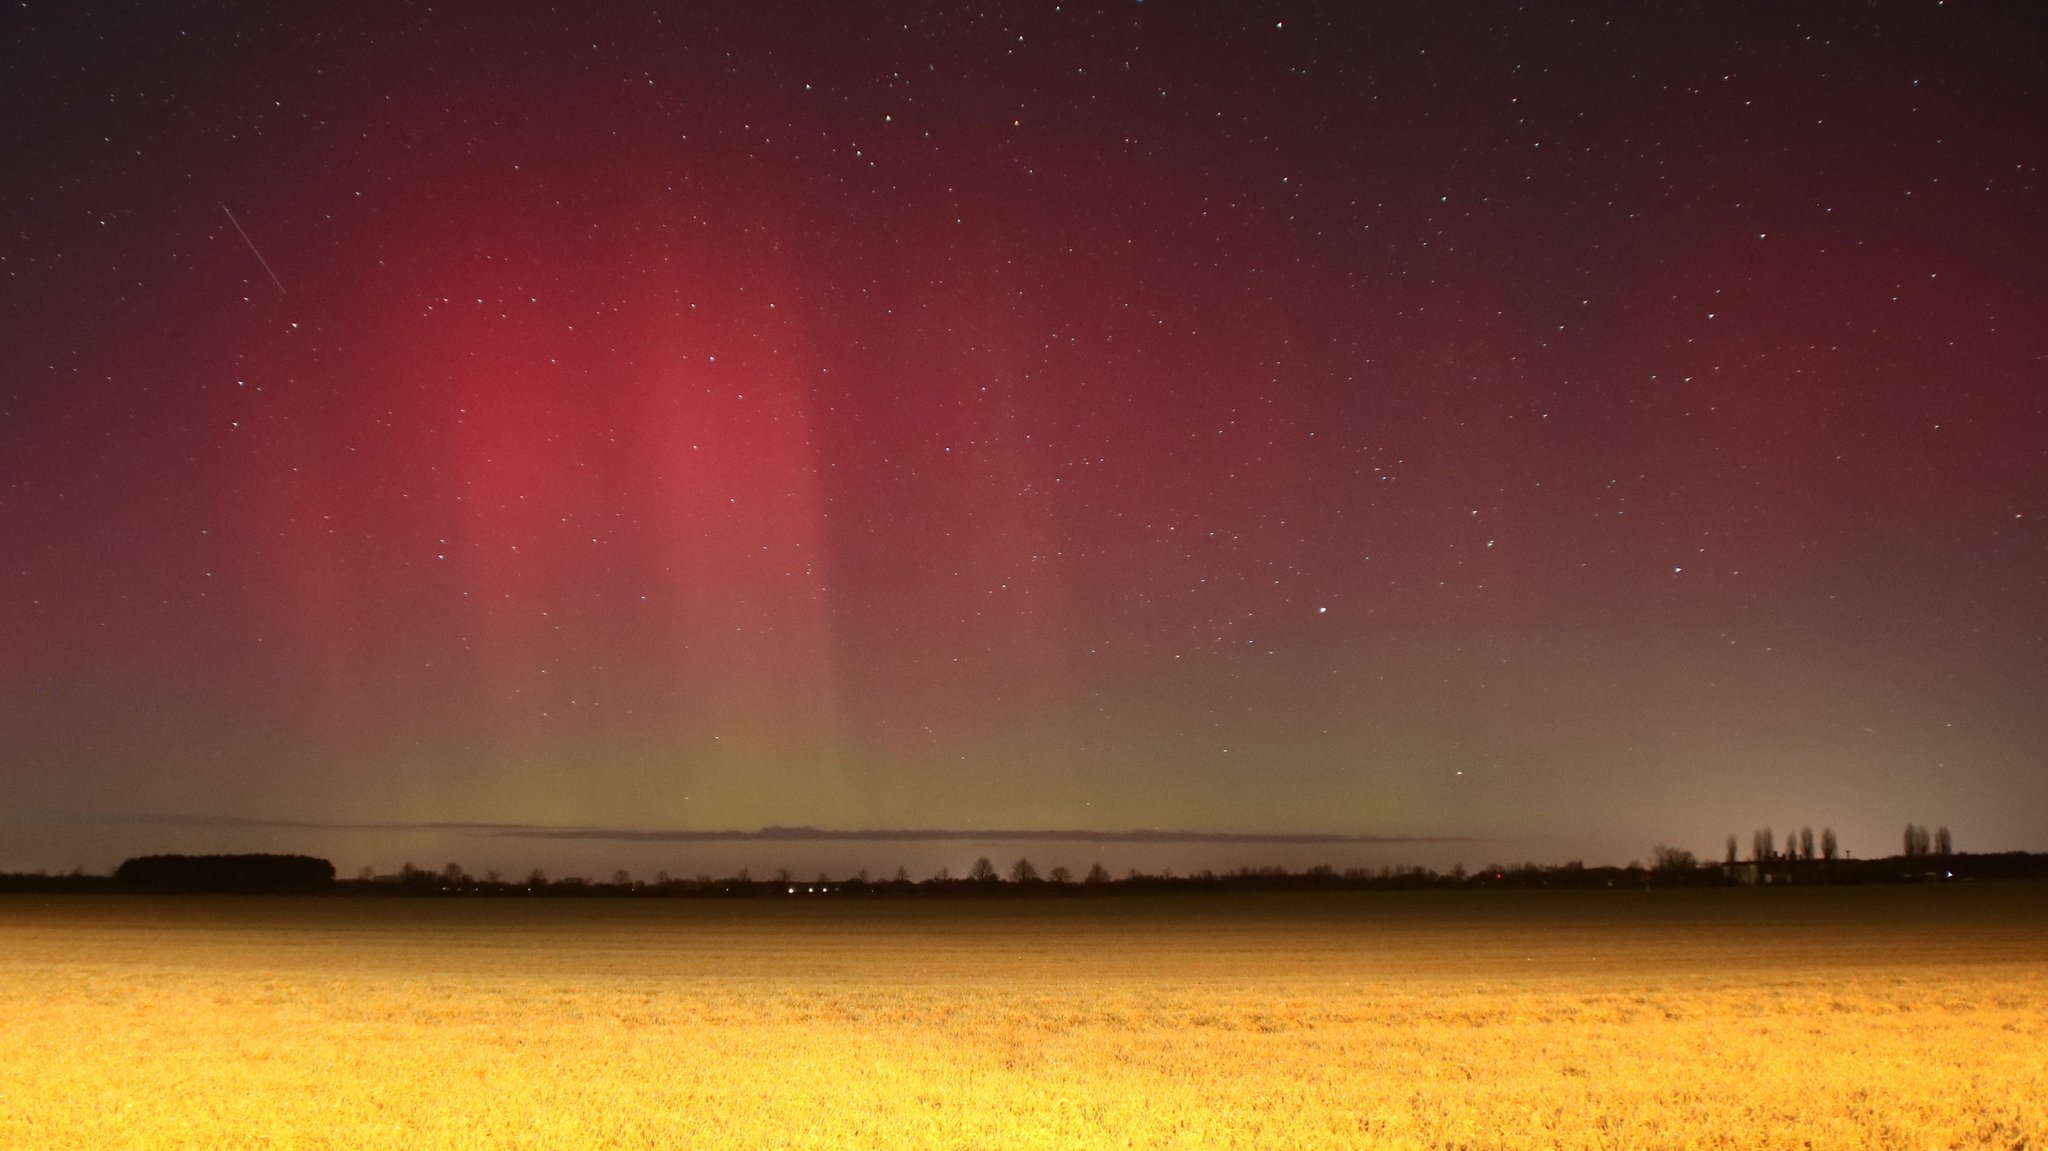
(1805, 859)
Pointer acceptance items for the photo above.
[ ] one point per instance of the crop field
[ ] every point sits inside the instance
(1826, 1018)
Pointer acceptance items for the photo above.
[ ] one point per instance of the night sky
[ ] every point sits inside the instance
(1505, 433)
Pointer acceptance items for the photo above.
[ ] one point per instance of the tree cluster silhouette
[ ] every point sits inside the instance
(1918, 843)
(226, 874)
(1799, 845)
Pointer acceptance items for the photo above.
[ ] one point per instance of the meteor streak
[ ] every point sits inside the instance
(253, 251)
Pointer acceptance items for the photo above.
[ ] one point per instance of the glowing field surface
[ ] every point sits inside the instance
(1865, 1018)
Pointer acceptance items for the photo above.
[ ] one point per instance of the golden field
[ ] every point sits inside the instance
(1844, 1018)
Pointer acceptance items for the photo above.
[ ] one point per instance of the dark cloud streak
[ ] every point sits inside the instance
(788, 834)
(941, 834)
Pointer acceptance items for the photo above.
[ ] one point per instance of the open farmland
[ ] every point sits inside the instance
(1851, 1018)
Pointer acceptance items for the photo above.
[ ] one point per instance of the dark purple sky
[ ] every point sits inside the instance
(1565, 429)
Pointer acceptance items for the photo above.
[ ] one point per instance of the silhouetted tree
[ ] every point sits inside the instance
(1829, 848)
(1060, 875)
(1915, 840)
(1762, 845)
(452, 875)
(1943, 845)
(536, 878)
(1731, 848)
(902, 875)
(1097, 874)
(1806, 843)
(784, 875)
(1022, 872)
(1670, 859)
(415, 878)
(983, 871)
